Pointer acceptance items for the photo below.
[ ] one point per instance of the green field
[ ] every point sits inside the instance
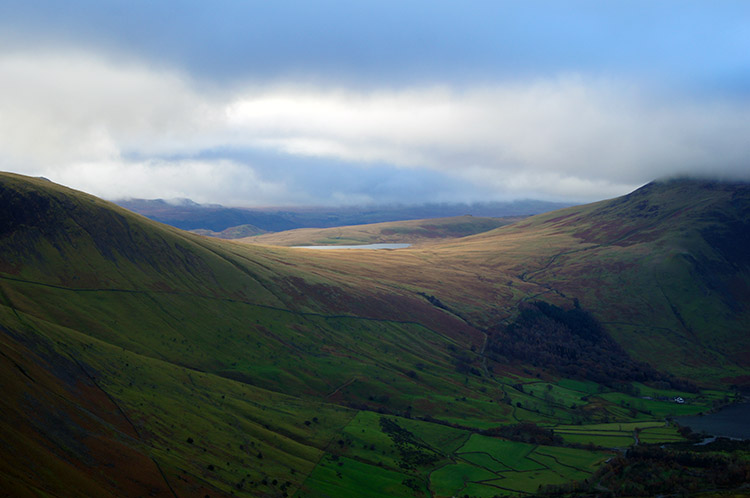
(452, 479)
(349, 478)
(450, 461)
(619, 435)
(490, 466)
(658, 408)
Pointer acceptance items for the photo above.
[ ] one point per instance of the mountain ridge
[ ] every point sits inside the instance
(216, 218)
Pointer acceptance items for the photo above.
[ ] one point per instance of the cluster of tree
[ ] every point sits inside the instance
(462, 362)
(572, 343)
(721, 444)
(526, 432)
(412, 452)
(651, 470)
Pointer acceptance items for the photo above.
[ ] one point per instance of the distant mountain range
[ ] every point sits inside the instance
(188, 215)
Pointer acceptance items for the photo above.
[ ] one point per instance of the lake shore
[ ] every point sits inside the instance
(732, 421)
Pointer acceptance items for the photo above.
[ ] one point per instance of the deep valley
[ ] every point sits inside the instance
(489, 359)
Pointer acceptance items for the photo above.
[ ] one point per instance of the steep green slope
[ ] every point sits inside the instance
(219, 367)
(182, 338)
(667, 268)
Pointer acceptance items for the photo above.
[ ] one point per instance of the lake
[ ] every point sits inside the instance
(731, 421)
(362, 246)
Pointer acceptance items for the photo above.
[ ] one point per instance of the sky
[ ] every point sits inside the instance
(299, 103)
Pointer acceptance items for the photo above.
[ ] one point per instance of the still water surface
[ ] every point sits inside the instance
(732, 421)
(362, 246)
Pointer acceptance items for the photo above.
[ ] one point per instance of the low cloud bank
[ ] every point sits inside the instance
(124, 129)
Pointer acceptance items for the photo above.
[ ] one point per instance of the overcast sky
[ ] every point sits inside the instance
(261, 103)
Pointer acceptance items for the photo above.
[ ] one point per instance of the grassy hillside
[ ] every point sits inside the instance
(410, 232)
(139, 359)
(665, 269)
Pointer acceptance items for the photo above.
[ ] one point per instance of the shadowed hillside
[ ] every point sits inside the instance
(139, 359)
